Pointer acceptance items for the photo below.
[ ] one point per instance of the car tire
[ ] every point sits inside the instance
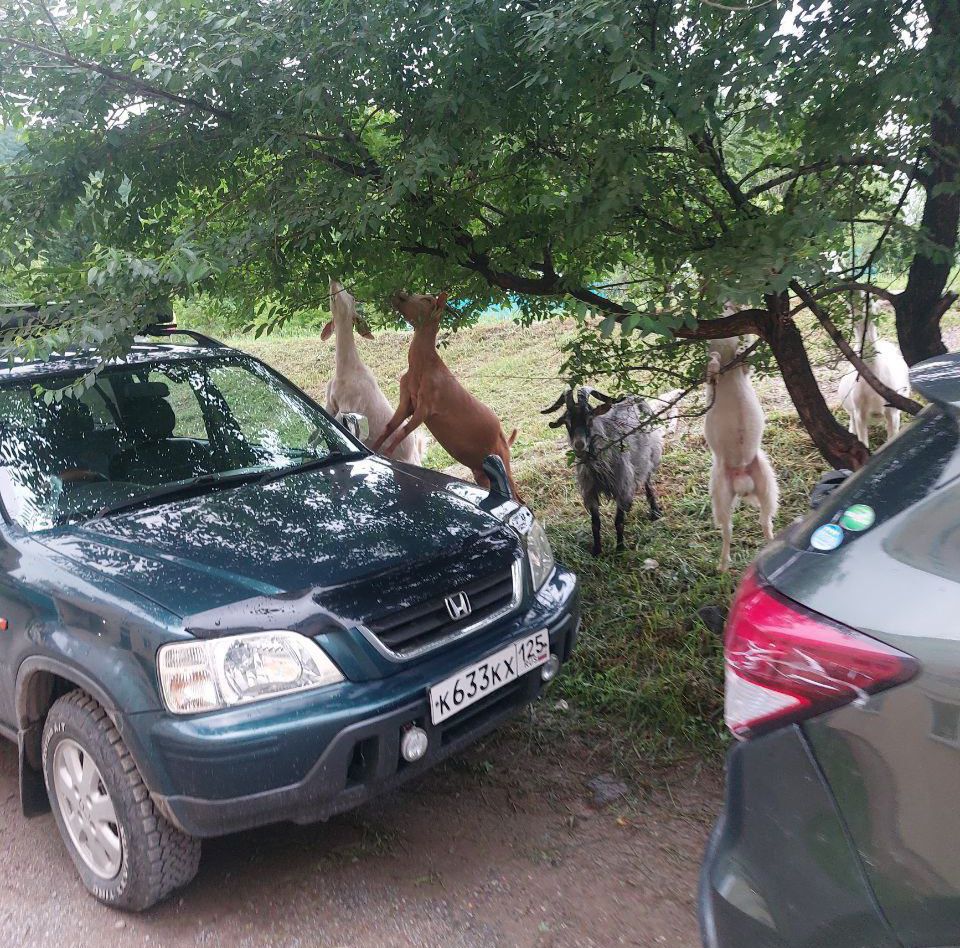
(127, 854)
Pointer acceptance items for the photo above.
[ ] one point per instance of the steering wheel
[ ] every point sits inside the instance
(82, 475)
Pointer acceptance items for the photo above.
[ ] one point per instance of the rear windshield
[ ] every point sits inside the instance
(142, 427)
(925, 458)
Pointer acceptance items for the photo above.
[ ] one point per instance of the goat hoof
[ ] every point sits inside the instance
(656, 514)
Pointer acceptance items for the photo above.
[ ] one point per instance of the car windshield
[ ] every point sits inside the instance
(140, 429)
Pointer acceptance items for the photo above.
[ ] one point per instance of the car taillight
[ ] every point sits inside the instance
(784, 663)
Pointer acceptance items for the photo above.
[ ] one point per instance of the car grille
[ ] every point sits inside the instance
(416, 628)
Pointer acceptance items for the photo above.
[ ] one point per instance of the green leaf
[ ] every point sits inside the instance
(629, 81)
(620, 70)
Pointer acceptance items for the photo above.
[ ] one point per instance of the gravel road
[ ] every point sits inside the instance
(506, 846)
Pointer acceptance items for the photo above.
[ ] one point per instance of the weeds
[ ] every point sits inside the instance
(647, 673)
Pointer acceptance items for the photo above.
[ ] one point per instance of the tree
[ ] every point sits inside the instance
(518, 149)
(921, 305)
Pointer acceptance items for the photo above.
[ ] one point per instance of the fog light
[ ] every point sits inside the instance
(550, 668)
(413, 744)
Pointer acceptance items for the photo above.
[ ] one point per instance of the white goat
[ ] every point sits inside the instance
(858, 398)
(733, 428)
(352, 387)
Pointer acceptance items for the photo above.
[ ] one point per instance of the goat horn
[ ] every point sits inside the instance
(554, 406)
(600, 396)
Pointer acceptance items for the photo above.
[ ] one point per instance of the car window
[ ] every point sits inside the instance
(922, 461)
(104, 417)
(183, 398)
(16, 406)
(270, 416)
(138, 429)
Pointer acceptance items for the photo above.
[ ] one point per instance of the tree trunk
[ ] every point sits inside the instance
(920, 307)
(839, 446)
(776, 327)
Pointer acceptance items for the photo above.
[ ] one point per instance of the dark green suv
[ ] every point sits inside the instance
(219, 610)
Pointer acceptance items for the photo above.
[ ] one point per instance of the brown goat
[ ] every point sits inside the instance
(430, 394)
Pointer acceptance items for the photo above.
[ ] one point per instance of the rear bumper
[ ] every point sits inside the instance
(355, 751)
(780, 871)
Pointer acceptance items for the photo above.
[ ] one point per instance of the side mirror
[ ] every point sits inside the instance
(494, 468)
(827, 484)
(356, 424)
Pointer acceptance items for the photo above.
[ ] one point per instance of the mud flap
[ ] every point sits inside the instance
(33, 790)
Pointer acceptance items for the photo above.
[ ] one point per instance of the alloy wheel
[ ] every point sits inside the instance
(87, 810)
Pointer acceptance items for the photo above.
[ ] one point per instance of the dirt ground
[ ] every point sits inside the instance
(506, 846)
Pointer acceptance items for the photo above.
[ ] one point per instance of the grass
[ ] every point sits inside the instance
(647, 672)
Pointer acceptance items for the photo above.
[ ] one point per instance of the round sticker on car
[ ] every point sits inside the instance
(827, 537)
(858, 517)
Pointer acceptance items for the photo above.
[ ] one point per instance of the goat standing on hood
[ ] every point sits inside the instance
(733, 428)
(616, 449)
(352, 387)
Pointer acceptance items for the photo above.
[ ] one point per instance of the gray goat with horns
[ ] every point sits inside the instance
(617, 448)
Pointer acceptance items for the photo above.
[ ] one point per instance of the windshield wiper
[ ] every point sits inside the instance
(334, 457)
(192, 485)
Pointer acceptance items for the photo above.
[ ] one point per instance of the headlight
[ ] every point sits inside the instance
(539, 553)
(237, 669)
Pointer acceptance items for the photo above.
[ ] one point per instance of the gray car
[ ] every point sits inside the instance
(840, 826)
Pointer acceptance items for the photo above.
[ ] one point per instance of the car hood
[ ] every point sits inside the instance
(323, 528)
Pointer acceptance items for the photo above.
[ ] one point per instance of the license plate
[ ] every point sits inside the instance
(470, 684)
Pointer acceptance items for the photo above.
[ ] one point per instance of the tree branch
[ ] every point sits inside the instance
(847, 286)
(151, 91)
(888, 394)
(827, 164)
(53, 24)
(736, 324)
(347, 167)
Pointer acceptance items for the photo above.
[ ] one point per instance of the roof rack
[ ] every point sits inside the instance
(15, 316)
(171, 329)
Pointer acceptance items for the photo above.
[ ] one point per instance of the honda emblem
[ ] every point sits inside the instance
(458, 605)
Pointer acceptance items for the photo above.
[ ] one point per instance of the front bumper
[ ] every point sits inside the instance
(303, 760)
(780, 870)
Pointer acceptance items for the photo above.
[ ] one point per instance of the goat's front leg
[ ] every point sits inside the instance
(331, 406)
(590, 497)
(861, 423)
(618, 522)
(892, 418)
(595, 524)
(656, 511)
(404, 410)
(413, 422)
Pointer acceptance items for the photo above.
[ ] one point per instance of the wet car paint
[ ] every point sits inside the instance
(320, 528)
(891, 762)
(94, 601)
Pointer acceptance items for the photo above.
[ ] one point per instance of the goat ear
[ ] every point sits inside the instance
(327, 331)
(554, 406)
(361, 326)
(601, 409)
(556, 424)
